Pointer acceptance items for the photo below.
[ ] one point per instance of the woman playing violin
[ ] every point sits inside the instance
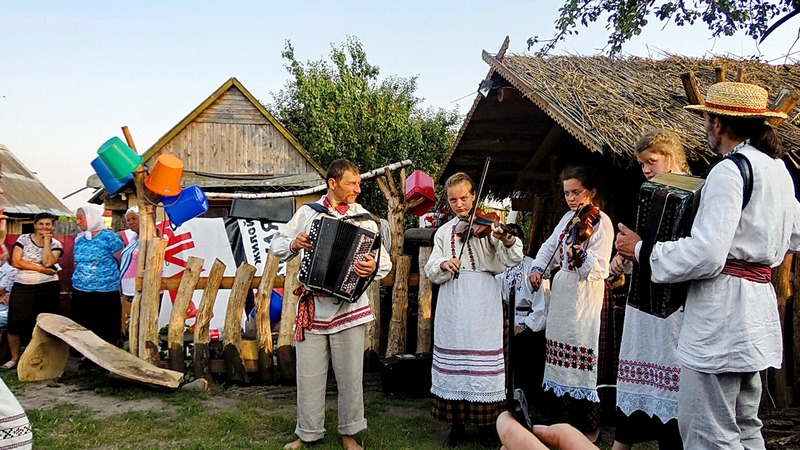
(580, 247)
(468, 377)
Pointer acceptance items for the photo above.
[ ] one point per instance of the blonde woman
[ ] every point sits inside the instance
(647, 405)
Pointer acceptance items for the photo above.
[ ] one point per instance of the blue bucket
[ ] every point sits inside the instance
(190, 203)
(112, 184)
(275, 306)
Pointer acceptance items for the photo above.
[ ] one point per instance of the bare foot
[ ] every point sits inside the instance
(294, 445)
(349, 443)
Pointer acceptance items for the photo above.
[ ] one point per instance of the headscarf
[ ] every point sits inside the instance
(94, 219)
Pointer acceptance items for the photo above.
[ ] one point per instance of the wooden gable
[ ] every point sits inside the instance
(231, 133)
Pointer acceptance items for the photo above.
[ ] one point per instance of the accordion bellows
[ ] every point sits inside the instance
(329, 268)
(666, 210)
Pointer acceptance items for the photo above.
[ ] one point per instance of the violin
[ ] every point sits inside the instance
(582, 228)
(482, 225)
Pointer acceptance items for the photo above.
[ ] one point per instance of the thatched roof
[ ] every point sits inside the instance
(25, 195)
(598, 103)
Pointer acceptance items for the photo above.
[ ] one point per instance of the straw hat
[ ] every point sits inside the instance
(729, 98)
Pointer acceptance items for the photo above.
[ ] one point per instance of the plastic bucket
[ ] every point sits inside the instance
(276, 306)
(120, 159)
(165, 178)
(112, 184)
(191, 203)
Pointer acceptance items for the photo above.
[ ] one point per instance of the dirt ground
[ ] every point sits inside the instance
(781, 428)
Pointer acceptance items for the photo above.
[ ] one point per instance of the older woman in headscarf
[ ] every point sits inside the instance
(95, 281)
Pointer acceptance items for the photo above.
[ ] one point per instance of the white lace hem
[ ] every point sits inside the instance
(665, 410)
(577, 393)
(477, 397)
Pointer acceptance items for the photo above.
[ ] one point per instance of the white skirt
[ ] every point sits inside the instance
(468, 359)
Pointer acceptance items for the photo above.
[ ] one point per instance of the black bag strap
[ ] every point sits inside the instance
(746, 169)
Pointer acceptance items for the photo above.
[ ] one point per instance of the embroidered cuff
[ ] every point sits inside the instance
(537, 269)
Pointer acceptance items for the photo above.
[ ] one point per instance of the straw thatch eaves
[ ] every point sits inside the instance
(25, 195)
(540, 107)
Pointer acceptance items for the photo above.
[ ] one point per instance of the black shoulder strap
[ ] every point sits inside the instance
(318, 208)
(746, 169)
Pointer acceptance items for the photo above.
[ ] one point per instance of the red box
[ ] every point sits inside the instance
(420, 184)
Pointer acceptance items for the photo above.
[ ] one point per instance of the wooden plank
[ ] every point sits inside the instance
(232, 334)
(266, 366)
(133, 324)
(285, 351)
(177, 320)
(372, 344)
(47, 354)
(171, 284)
(782, 280)
(151, 301)
(398, 322)
(202, 355)
(691, 88)
(424, 313)
(795, 320)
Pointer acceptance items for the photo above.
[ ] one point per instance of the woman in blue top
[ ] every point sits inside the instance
(95, 281)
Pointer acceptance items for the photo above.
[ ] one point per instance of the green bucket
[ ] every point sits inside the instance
(120, 159)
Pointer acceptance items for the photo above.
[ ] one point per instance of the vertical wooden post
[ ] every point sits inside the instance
(537, 219)
(397, 326)
(795, 324)
(285, 352)
(719, 74)
(147, 230)
(151, 301)
(266, 366)
(782, 280)
(202, 355)
(372, 342)
(177, 320)
(424, 316)
(235, 369)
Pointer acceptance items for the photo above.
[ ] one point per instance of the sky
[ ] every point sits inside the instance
(73, 73)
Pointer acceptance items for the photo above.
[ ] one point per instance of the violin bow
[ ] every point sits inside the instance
(474, 212)
(560, 241)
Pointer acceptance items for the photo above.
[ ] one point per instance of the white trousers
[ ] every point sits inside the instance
(719, 411)
(346, 350)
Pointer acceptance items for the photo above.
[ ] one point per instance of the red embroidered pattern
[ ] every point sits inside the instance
(661, 377)
(348, 317)
(570, 356)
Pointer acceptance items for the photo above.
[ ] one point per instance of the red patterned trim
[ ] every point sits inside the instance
(12, 418)
(570, 356)
(735, 108)
(344, 319)
(639, 372)
(451, 351)
(755, 272)
(440, 369)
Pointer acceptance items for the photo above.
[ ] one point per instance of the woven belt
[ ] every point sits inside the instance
(755, 272)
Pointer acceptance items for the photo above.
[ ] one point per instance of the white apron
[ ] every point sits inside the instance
(573, 335)
(468, 340)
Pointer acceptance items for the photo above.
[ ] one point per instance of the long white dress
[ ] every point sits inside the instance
(573, 320)
(468, 331)
(15, 428)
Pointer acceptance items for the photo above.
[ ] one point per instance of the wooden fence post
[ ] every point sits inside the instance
(372, 343)
(202, 355)
(177, 320)
(266, 366)
(397, 326)
(424, 316)
(232, 334)
(286, 356)
(151, 301)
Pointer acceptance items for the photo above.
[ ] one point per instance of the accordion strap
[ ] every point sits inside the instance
(746, 169)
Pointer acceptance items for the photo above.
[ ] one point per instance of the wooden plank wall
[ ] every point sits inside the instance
(232, 136)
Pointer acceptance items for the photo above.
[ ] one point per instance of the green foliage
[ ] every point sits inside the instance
(627, 18)
(341, 109)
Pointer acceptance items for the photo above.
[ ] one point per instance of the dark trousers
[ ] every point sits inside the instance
(528, 361)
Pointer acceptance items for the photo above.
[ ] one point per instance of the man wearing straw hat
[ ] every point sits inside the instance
(731, 329)
(327, 328)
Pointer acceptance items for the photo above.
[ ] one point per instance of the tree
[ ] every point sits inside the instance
(341, 110)
(626, 18)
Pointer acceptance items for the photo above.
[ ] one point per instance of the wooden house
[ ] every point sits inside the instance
(229, 143)
(25, 196)
(538, 115)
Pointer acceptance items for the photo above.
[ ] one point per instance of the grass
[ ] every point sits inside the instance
(235, 418)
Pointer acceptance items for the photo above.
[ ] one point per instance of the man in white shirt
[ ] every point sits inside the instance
(731, 329)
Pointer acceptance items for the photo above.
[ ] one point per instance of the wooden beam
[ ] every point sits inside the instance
(740, 73)
(177, 319)
(543, 151)
(151, 301)
(202, 338)
(785, 103)
(235, 369)
(285, 351)
(266, 366)
(692, 89)
(398, 322)
(424, 313)
(171, 284)
(719, 74)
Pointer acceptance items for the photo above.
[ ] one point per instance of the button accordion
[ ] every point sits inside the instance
(667, 206)
(329, 267)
